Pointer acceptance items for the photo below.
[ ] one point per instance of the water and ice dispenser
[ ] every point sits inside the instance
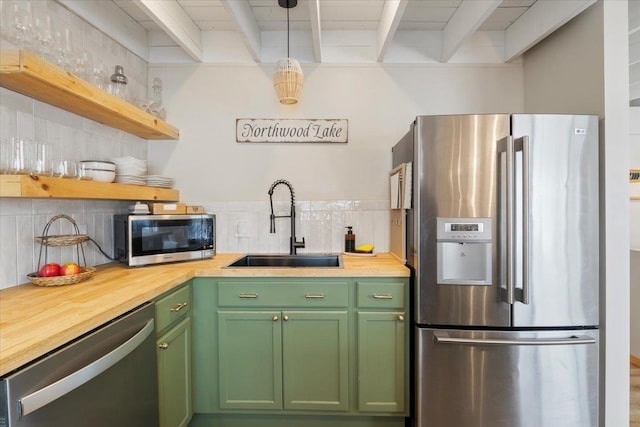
(464, 248)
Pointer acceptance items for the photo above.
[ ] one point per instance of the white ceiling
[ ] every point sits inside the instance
(520, 24)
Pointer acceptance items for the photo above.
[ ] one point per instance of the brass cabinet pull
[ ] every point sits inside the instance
(309, 296)
(163, 346)
(179, 306)
(248, 295)
(401, 318)
(382, 296)
(285, 317)
(275, 318)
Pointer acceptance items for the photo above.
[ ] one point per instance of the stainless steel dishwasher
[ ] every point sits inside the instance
(104, 378)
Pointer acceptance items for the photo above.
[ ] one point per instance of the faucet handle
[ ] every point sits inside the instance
(300, 244)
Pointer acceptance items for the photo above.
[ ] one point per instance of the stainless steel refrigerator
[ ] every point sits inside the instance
(503, 242)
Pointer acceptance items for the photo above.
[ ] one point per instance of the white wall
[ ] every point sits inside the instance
(335, 184)
(578, 68)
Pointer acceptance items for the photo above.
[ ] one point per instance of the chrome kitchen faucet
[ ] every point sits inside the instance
(293, 243)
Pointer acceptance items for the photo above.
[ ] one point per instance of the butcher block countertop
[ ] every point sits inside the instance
(35, 320)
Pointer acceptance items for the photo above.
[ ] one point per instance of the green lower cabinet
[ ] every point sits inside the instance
(381, 361)
(174, 375)
(250, 359)
(315, 360)
(292, 360)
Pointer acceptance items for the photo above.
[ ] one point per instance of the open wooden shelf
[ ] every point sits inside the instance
(30, 75)
(36, 186)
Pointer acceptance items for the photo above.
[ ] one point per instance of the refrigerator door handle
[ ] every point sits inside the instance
(522, 144)
(510, 220)
(445, 338)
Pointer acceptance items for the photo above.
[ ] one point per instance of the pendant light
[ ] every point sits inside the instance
(288, 78)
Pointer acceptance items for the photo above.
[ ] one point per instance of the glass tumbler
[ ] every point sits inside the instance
(41, 163)
(20, 155)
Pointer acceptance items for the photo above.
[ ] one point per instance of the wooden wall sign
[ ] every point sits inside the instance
(292, 130)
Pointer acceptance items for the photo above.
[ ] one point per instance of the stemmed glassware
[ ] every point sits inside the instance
(64, 46)
(44, 41)
(19, 24)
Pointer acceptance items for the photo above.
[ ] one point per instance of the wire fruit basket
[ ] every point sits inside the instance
(61, 240)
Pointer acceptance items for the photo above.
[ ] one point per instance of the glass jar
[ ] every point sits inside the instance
(118, 85)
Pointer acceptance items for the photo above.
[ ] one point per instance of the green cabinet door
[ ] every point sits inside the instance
(381, 361)
(315, 360)
(174, 375)
(250, 359)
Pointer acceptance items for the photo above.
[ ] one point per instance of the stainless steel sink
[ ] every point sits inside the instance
(307, 260)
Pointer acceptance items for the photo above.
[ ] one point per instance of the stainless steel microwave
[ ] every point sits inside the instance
(155, 239)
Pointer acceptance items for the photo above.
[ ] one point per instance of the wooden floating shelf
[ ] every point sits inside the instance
(26, 73)
(36, 186)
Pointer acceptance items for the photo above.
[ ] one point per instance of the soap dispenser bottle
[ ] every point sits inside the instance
(349, 240)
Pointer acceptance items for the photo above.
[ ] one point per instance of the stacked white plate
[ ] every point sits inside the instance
(159, 181)
(131, 179)
(130, 170)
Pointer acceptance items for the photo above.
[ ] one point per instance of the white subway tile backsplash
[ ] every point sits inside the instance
(15, 207)
(370, 205)
(323, 229)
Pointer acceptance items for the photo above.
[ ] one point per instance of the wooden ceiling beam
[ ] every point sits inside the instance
(389, 20)
(246, 22)
(175, 22)
(316, 30)
(464, 23)
(540, 20)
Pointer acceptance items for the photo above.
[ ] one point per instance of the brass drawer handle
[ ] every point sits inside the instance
(275, 318)
(382, 296)
(163, 346)
(179, 306)
(401, 318)
(310, 296)
(248, 295)
(285, 317)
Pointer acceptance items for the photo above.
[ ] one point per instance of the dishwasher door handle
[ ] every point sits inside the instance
(52, 392)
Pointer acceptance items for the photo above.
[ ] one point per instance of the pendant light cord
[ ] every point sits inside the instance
(288, 56)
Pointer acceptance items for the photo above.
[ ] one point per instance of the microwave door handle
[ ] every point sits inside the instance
(522, 144)
(52, 392)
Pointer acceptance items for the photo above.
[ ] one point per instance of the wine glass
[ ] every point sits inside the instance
(64, 46)
(19, 24)
(44, 41)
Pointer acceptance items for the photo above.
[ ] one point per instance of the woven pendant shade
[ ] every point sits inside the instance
(288, 80)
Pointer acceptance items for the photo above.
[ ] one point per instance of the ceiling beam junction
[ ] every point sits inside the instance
(389, 20)
(246, 22)
(171, 17)
(540, 20)
(464, 23)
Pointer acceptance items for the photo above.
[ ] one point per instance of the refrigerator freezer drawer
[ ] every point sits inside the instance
(507, 379)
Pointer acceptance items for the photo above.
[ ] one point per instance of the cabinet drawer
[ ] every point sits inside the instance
(173, 307)
(283, 294)
(380, 294)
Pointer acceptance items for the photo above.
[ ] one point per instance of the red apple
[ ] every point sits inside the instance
(49, 270)
(69, 268)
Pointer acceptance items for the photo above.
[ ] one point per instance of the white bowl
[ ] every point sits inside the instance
(98, 174)
(98, 164)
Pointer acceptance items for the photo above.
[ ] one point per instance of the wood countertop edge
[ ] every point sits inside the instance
(76, 304)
